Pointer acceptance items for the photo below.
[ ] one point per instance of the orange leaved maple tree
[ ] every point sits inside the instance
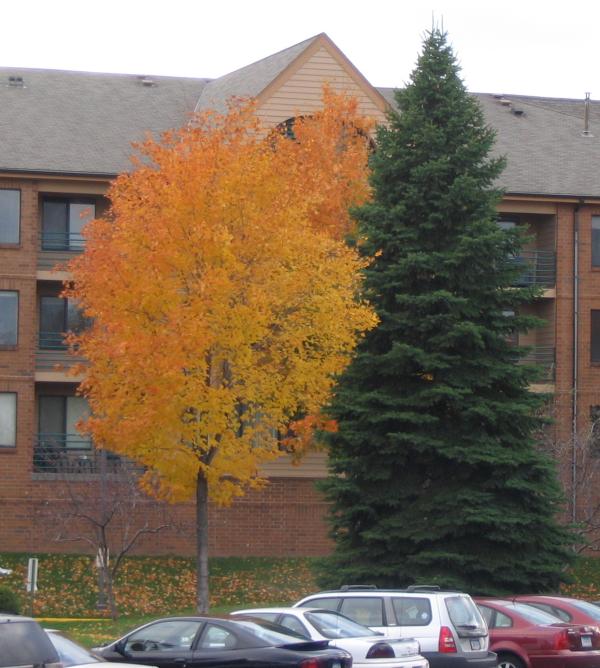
(224, 298)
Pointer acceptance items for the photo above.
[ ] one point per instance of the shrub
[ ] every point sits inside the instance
(9, 601)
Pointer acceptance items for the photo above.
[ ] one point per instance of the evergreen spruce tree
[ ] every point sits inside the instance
(434, 472)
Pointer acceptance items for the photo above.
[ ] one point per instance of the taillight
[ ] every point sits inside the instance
(311, 663)
(595, 637)
(381, 650)
(446, 645)
(566, 639)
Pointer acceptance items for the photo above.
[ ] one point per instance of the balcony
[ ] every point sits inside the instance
(539, 269)
(53, 359)
(57, 248)
(70, 454)
(545, 358)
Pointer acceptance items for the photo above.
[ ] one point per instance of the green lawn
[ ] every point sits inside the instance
(150, 587)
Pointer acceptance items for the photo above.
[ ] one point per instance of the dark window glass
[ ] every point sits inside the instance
(10, 215)
(328, 603)
(164, 637)
(412, 611)
(9, 309)
(58, 316)
(294, 624)
(24, 643)
(595, 336)
(364, 610)
(595, 241)
(58, 419)
(62, 221)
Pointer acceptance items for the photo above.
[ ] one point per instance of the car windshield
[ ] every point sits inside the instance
(334, 625)
(71, 654)
(271, 634)
(589, 608)
(463, 612)
(534, 615)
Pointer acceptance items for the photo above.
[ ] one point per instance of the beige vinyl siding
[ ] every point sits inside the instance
(312, 465)
(301, 93)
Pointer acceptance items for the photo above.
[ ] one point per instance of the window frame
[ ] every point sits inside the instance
(83, 442)
(67, 201)
(17, 243)
(595, 346)
(9, 446)
(595, 232)
(12, 346)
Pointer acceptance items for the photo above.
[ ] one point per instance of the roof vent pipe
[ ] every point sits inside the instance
(586, 117)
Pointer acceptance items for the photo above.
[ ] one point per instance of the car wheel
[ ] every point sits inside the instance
(509, 661)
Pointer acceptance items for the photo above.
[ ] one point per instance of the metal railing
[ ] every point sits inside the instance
(62, 241)
(71, 454)
(57, 249)
(543, 357)
(55, 359)
(52, 341)
(539, 268)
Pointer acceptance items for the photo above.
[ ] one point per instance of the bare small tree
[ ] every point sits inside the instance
(579, 459)
(103, 505)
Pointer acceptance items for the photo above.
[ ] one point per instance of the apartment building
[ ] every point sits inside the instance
(65, 135)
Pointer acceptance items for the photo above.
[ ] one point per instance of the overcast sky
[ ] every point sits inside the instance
(534, 47)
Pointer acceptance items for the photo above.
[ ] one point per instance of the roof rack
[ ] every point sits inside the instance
(423, 588)
(357, 587)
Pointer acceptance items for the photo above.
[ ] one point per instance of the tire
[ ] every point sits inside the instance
(510, 661)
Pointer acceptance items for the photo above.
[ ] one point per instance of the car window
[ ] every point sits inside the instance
(534, 615)
(217, 637)
(70, 653)
(502, 621)
(333, 625)
(294, 624)
(486, 613)
(23, 643)
(267, 616)
(412, 611)
(463, 612)
(589, 608)
(365, 610)
(265, 633)
(164, 636)
(551, 610)
(329, 603)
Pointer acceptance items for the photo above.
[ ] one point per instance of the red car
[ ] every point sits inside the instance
(566, 609)
(525, 637)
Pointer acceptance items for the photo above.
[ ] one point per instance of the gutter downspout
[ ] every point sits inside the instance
(575, 360)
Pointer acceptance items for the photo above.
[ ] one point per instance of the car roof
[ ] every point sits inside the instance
(4, 618)
(289, 609)
(371, 591)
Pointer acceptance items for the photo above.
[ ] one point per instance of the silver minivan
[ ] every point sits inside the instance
(447, 624)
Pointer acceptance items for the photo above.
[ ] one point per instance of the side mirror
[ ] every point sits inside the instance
(119, 648)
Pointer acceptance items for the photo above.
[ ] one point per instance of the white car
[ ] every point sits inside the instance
(368, 649)
(73, 654)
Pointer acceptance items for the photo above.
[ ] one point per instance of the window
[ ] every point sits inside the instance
(364, 610)
(216, 637)
(164, 636)
(9, 320)
(57, 316)
(595, 337)
(58, 417)
(62, 221)
(328, 603)
(10, 216)
(595, 241)
(8, 419)
(412, 611)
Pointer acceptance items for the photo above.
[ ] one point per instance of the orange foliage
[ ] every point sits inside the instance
(224, 298)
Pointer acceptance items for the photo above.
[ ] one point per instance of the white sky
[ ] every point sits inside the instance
(535, 47)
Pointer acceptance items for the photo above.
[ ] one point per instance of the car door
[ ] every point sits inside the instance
(166, 644)
(221, 647)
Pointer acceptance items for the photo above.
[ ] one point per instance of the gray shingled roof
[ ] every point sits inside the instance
(82, 122)
(249, 81)
(542, 140)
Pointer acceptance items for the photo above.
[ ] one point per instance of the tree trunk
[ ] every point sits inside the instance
(202, 544)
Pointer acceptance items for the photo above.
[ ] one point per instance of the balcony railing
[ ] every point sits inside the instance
(71, 454)
(539, 268)
(57, 248)
(543, 357)
(52, 341)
